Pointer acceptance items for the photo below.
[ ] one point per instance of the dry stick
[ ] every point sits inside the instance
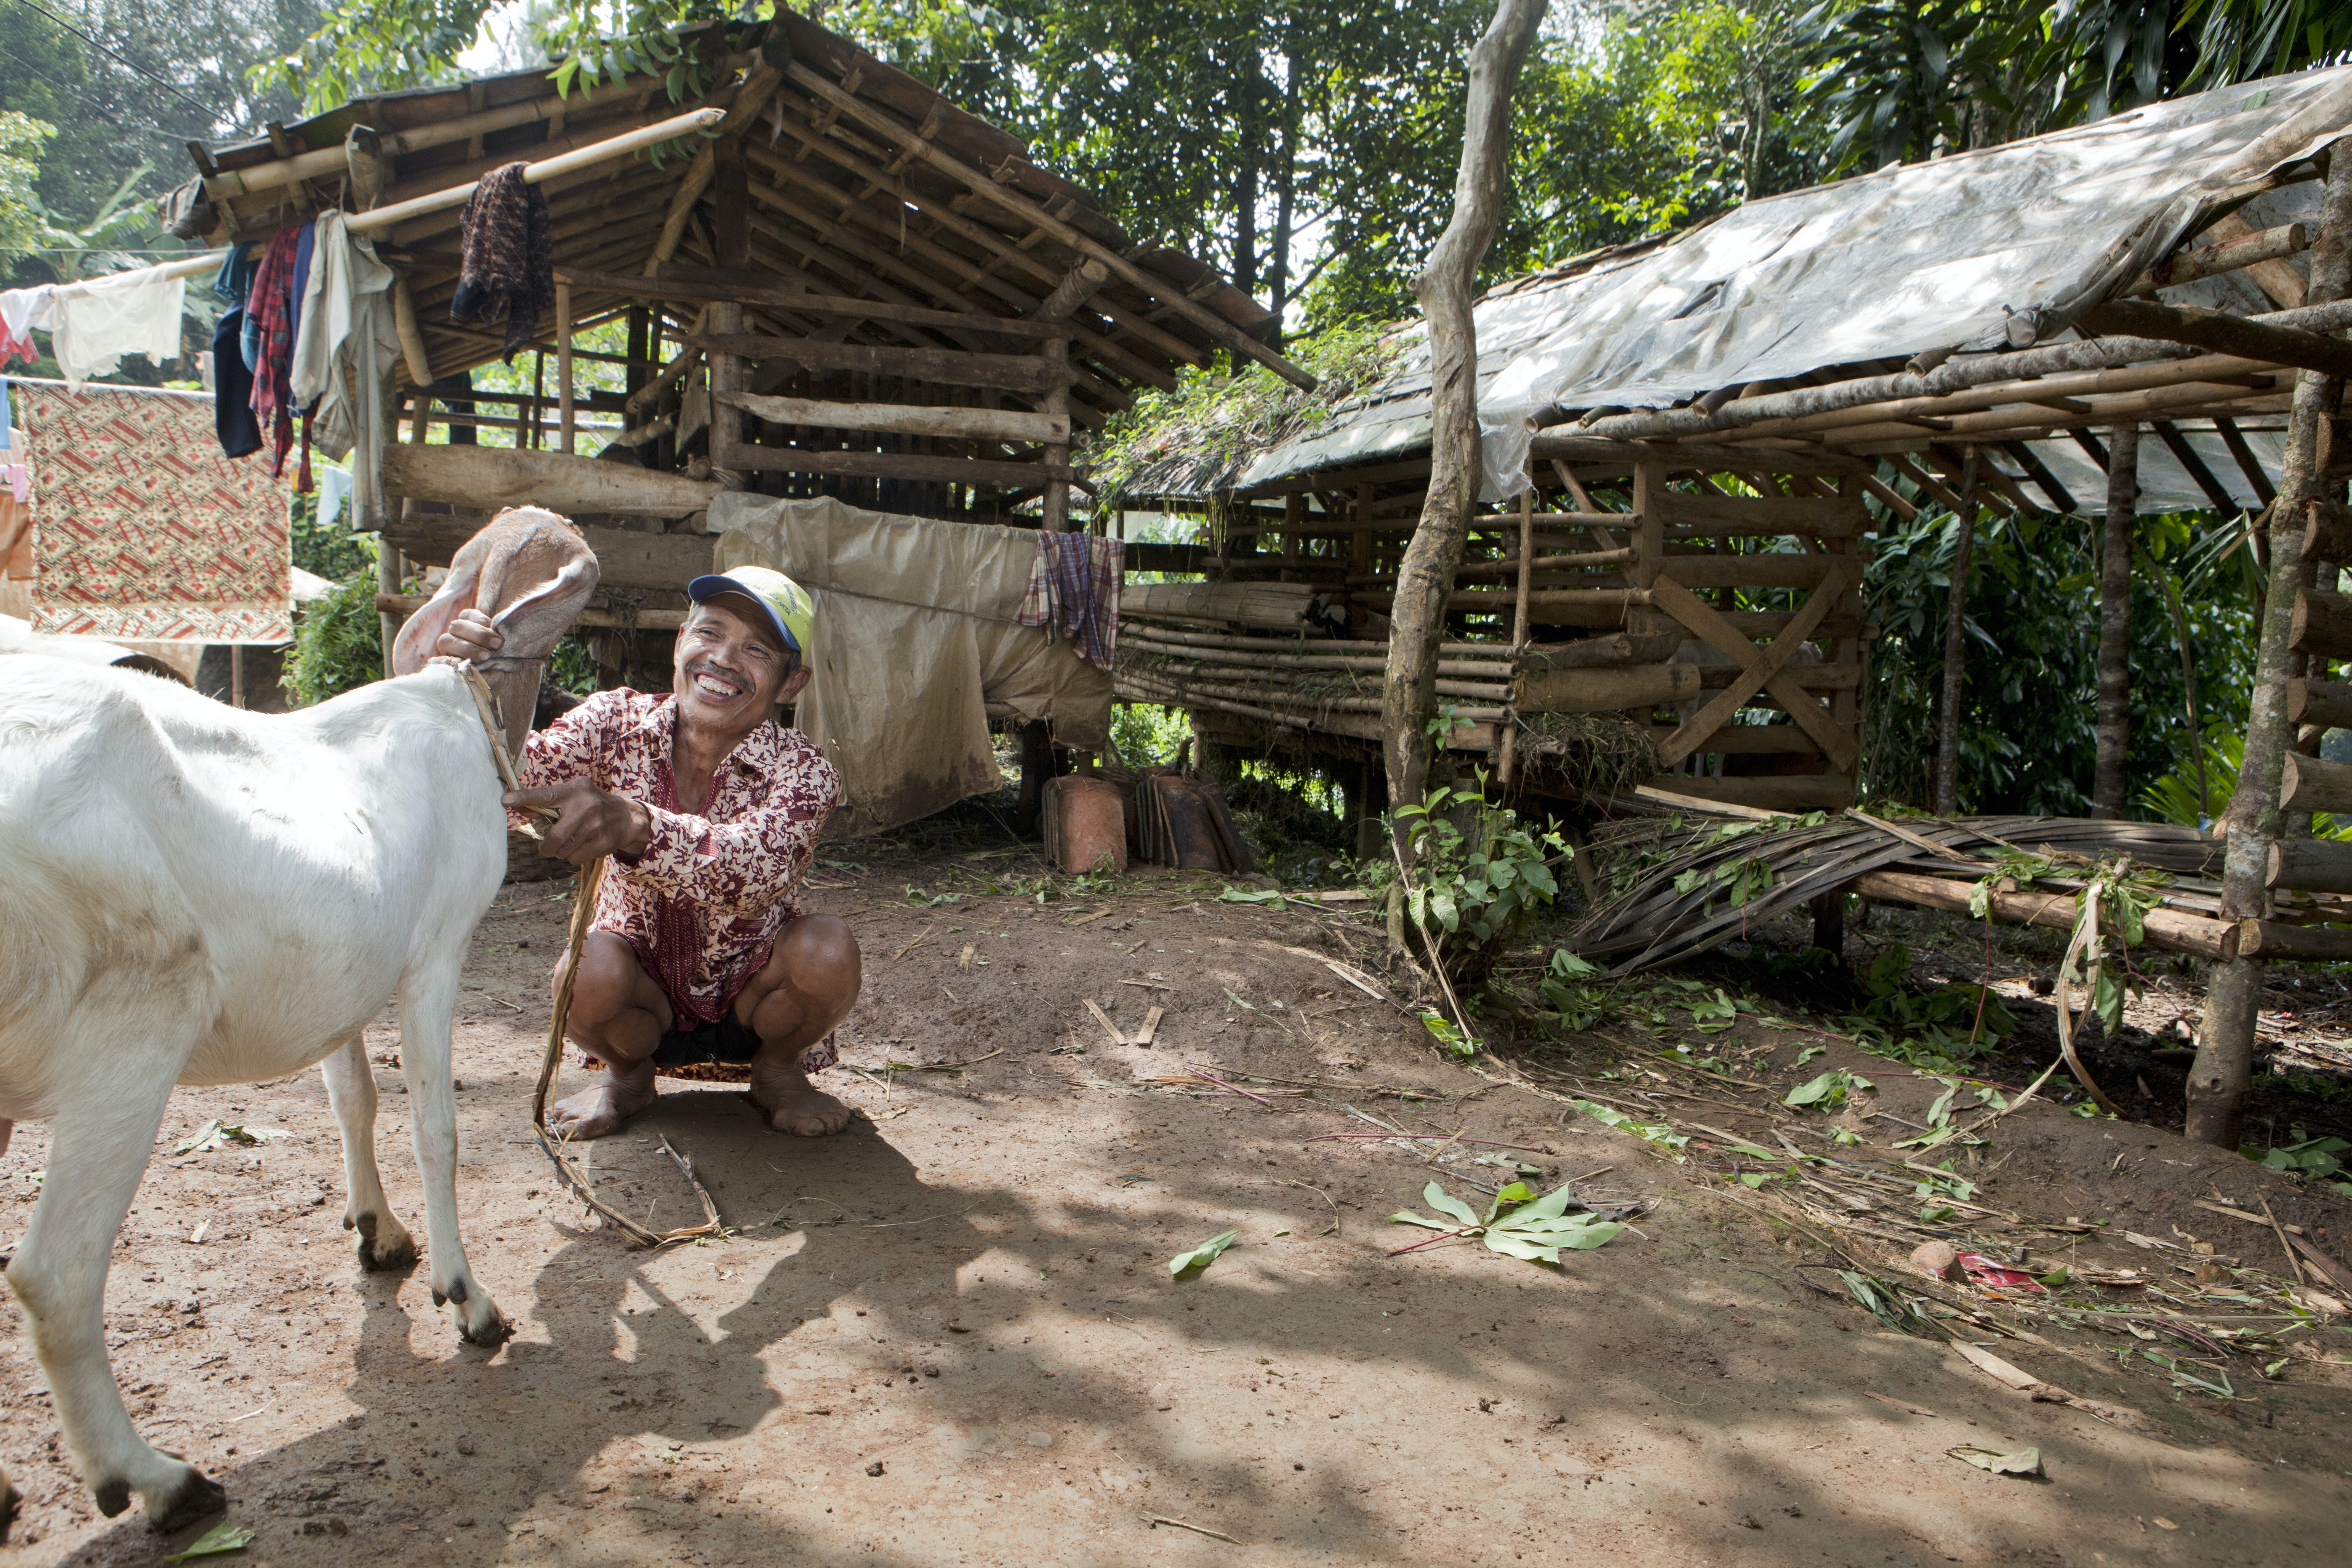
(583, 907)
(1183, 1524)
(2286, 1245)
(1229, 1089)
(1427, 1138)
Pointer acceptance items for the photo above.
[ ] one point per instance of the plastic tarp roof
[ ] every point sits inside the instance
(1916, 256)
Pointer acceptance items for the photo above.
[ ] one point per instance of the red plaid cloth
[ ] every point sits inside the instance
(270, 306)
(1074, 588)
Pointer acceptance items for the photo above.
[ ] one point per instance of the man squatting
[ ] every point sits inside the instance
(711, 811)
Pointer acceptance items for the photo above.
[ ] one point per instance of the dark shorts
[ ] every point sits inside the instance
(728, 1041)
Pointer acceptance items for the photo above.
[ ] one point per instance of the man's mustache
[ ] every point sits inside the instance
(704, 666)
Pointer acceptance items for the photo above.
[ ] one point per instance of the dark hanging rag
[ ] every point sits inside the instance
(233, 419)
(270, 308)
(1074, 588)
(507, 269)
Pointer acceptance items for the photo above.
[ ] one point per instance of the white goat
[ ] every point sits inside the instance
(194, 894)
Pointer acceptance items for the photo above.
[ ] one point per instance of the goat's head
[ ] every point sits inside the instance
(530, 571)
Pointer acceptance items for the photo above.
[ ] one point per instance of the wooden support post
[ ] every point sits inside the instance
(1509, 723)
(2222, 1075)
(1293, 518)
(236, 674)
(727, 374)
(1947, 718)
(563, 365)
(1057, 454)
(1829, 923)
(2115, 622)
(1360, 556)
(1036, 768)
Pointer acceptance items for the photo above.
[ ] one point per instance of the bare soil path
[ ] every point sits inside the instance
(950, 1335)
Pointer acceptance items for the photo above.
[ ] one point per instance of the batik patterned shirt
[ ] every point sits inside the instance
(702, 905)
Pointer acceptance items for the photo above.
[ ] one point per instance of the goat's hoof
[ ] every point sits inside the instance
(9, 1498)
(384, 1245)
(196, 1497)
(480, 1322)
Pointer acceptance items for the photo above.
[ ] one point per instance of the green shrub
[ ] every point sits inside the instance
(340, 643)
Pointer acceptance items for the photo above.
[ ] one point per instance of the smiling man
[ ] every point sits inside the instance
(710, 810)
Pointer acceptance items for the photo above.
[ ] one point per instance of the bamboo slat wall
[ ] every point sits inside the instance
(1626, 620)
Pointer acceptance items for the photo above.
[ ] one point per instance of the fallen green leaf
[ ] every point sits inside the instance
(220, 1538)
(1204, 1255)
(2024, 1462)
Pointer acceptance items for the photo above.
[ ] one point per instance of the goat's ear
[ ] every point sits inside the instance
(536, 621)
(422, 631)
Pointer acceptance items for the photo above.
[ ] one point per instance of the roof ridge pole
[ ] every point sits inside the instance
(1425, 578)
(2223, 1074)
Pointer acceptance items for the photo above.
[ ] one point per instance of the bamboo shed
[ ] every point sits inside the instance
(1689, 443)
(834, 283)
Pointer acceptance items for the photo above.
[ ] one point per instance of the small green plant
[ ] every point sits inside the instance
(1517, 1223)
(2314, 1159)
(1567, 985)
(1657, 1134)
(1479, 875)
(1934, 1030)
(340, 643)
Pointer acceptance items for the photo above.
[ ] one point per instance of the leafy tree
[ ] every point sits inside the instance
(21, 138)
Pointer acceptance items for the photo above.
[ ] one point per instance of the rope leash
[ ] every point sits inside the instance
(583, 907)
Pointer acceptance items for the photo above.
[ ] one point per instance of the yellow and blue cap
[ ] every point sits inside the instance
(788, 603)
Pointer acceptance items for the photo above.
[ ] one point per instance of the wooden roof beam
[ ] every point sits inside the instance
(1093, 343)
(2218, 332)
(999, 247)
(1219, 329)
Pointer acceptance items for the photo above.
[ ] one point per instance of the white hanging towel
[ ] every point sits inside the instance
(22, 310)
(103, 319)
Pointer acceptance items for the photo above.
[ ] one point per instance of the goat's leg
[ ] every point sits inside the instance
(97, 1152)
(428, 996)
(385, 1242)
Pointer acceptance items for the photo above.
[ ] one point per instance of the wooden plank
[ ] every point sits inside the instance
(1829, 517)
(981, 472)
(2314, 784)
(2170, 929)
(1750, 739)
(1711, 624)
(1754, 571)
(1597, 690)
(2311, 865)
(1009, 373)
(1144, 555)
(1768, 792)
(981, 424)
(1762, 669)
(492, 476)
(2273, 940)
(1685, 456)
(2328, 703)
(726, 286)
(2322, 623)
(625, 558)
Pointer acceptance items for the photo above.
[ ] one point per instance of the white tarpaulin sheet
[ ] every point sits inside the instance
(1923, 256)
(914, 633)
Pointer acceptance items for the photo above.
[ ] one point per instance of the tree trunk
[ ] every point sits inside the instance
(1417, 623)
(1948, 721)
(2223, 1071)
(2115, 621)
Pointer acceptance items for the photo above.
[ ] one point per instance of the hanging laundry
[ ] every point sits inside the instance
(233, 420)
(270, 310)
(21, 310)
(344, 348)
(506, 263)
(334, 490)
(234, 282)
(102, 319)
(1074, 587)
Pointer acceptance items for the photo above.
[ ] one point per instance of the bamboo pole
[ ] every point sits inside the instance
(563, 396)
(383, 218)
(1947, 718)
(1320, 645)
(2222, 1075)
(2213, 261)
(2115, 622)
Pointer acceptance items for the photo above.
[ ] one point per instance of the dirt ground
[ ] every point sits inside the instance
(950, 1335)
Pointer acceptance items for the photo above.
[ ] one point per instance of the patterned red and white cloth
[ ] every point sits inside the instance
(702, 906)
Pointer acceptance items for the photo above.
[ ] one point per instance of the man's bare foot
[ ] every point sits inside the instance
(601, 1108)
(791, 1104)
